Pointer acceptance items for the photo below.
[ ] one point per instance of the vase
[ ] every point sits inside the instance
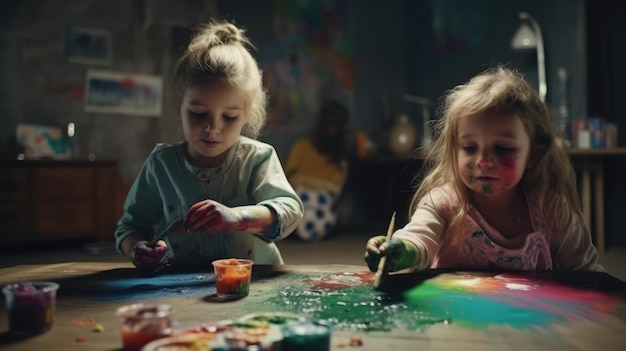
(402, 137)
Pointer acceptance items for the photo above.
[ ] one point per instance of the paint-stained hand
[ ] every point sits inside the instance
(398, 255)
(211, 215)
(149, 259)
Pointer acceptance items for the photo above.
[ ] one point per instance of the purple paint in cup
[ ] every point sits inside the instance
(30, 306)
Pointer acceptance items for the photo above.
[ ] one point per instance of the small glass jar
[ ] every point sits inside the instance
(143, 323)
(30, 306)
(306, 336)
(232, 277)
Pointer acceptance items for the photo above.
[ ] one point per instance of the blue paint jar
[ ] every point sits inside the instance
(596, 130)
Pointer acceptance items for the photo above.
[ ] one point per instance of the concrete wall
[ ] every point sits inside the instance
(40, 85)
(394, 55)
(563, 30)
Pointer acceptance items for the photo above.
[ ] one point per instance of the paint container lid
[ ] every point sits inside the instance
(266, 318)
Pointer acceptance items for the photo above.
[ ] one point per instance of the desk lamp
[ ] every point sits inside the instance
(529, 37)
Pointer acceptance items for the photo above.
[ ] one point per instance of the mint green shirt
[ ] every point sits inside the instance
(168, 185)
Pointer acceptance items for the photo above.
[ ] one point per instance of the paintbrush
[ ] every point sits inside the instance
(164, 232)
(383, 260)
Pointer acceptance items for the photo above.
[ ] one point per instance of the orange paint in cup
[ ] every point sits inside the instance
(232, 277)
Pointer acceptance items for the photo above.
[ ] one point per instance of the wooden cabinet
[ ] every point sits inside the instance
(43, 200)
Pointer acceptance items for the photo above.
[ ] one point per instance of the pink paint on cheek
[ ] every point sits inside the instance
(508, 169)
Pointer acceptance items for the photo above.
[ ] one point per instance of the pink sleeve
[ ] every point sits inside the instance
(426, 227)
(574, 250)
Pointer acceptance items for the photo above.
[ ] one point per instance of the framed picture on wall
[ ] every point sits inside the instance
(123, 93)
(40, 141)
(89, 46)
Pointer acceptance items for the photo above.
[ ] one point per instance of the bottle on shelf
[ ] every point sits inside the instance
(563, 114)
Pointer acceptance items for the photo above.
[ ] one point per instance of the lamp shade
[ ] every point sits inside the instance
(524, 38)
(528, 37)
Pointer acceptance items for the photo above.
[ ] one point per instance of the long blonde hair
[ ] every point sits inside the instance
(552, 181)
(219, 49)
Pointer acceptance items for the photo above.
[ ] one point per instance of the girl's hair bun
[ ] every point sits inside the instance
(227, 33)
(217, 33)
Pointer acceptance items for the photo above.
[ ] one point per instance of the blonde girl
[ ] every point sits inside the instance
(499, 192)
(227, 189)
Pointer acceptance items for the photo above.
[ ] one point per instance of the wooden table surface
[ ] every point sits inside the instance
(434, 310)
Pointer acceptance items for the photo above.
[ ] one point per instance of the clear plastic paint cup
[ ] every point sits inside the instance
(232, 277)
(143, 323)
(30, 306)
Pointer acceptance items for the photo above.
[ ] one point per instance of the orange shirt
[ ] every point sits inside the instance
(307, 167)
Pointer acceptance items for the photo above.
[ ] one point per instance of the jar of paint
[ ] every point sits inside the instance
(306, 336)
(30, 306)
(250, 338)
(232, 277)
(143, 323)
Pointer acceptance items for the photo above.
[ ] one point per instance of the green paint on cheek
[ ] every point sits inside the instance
(470, 177)
(486, 189)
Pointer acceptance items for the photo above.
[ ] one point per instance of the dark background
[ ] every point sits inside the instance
(395, 53)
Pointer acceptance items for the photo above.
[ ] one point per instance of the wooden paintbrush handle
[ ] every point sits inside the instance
(383, 260)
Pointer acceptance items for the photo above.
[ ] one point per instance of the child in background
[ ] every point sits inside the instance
(229, 189)
(317, 169)
(499, 192)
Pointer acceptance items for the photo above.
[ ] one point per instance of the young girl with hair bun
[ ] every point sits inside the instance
(227, 189)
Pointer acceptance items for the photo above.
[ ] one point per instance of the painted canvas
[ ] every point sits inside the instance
(310, 59)
(123, 93)
(499, 304)
(43, 142)
(89, 46)
(434, 309)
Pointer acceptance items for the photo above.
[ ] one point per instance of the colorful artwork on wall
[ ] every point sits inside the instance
(122, 93)
(458, 25)
(89, 46)
(43, 142)
(309, 60)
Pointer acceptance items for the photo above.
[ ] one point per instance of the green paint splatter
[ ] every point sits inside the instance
(486, 188)
(361, 308)
(355, 309)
